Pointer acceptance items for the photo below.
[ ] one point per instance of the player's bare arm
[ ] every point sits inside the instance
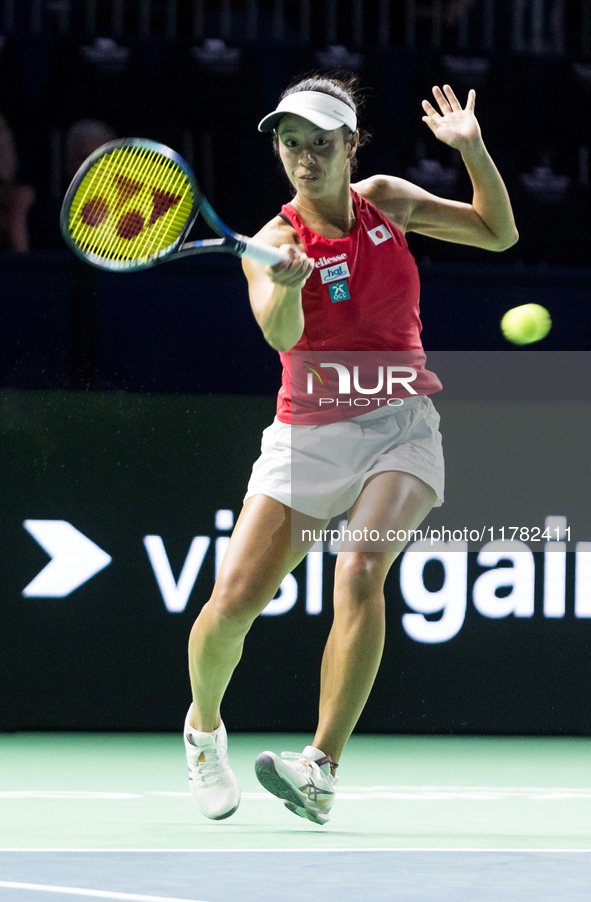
(276, 291)
(487, 222)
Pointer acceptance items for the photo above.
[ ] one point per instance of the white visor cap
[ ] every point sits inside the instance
(321, 109)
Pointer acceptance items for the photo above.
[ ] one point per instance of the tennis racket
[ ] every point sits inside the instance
(131, 205)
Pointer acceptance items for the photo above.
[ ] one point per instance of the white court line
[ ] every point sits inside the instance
(409, 793)
(73, 794)
(289, 850)
(93, 893)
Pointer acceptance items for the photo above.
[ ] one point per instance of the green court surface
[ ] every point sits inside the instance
(101, 792)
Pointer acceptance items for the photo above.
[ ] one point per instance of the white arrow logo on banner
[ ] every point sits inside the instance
(74, 559)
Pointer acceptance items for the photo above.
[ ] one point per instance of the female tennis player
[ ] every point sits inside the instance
(349, 285)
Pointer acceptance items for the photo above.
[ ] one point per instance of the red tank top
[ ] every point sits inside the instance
(363, 296)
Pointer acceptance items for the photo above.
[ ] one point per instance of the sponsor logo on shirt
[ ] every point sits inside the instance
(332, 273)
(339, 291)
(326, 261)
(379, 234)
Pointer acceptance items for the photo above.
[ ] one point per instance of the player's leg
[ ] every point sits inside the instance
(306, 781)
(257, 559)
(389, 501)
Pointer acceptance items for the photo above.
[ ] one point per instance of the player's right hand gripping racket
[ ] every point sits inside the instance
(131, 205)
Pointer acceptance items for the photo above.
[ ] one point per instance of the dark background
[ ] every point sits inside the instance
(120, 466)
(133, 404)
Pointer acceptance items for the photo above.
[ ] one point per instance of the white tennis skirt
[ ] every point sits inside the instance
(321, 470)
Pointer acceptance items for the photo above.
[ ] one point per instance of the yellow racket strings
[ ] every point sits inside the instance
(92, 220)
(118, 229)
(130, 234)
(131, 205)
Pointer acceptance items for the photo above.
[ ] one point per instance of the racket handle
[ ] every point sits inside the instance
(262, 253)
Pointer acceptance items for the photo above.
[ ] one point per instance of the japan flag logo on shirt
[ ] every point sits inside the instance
(379, 234)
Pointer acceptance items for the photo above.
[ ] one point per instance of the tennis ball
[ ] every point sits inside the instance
(526, 324)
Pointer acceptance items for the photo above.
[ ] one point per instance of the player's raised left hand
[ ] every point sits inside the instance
(454, 125)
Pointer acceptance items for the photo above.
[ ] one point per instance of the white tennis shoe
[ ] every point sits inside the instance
(214, 787)
(303, 780)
